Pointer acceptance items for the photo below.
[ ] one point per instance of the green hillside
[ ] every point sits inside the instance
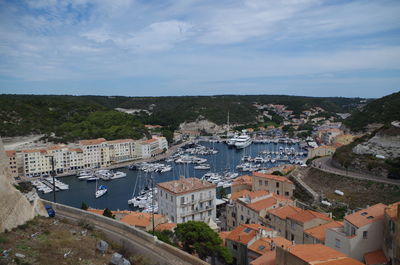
(382, 110)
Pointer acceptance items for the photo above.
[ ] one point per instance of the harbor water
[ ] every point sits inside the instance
(122, 189)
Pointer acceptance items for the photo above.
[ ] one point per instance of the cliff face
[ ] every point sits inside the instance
(15, 209)
(386, 143)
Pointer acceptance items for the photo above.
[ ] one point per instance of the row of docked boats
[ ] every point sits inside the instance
(45, 185)
(221, 180)
(151, 167)
(103, 174)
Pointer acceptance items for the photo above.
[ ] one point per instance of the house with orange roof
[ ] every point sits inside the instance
(151, 147)
(276, 218)
(242, 183)
(361, 232)
(312, 254)
(391, 233)
(121, 150)
(279, 185)
(303, 220)
(316, 235)
(242, 237)
(166, 226)
(35, 162)
(187, 199)
(12, 163)
(96, 153)
(265, 246)
(376, 258)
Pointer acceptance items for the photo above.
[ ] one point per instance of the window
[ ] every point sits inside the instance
(293, 225)
(171, 198)
(277, 184)
(241, 217)
(286, 193)
(192, 197)
(183, 219)
(182, 200)
(337, 243)
(365, 234)
(234, 246)
(265, 183)
(209, 213)
(260, 182)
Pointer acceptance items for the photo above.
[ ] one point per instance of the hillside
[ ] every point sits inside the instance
(64, 118)
(382, 110)
(68, 118)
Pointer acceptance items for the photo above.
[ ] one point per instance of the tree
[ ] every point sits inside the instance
(277, 173)
(222, 193)
(198, 237)
(84, 206)
(107, 212)
(164, 235)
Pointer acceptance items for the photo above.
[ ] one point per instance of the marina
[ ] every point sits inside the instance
(222, 162)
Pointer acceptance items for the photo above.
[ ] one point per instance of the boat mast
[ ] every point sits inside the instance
(228, 126)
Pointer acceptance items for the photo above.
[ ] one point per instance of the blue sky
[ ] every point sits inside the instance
(190, 47)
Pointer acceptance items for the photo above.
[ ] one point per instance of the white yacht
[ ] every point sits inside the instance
(232, 141)
(243, 141)
(202, 167)
(101, 191)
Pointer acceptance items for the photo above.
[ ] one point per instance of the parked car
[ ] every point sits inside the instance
(50, 211)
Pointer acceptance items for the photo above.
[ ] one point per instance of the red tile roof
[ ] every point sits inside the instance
(165, 226)
(10, 153)
(120, 141)
(265, 259)
(392, 210)
(366, 216)
(139, 219)
(243, 180)
(318, 232)
(251, 194)
(285, 211)
(92, 141)
(262, 204)
(245, 232)
(308, 215)
(272, 177)
(185, 185)
(375, 257)
(149, 141)
(263, 245)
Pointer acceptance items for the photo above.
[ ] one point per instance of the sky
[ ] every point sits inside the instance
(200, 47)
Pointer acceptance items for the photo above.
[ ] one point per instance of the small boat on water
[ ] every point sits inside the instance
(202, 167)
(101, 191)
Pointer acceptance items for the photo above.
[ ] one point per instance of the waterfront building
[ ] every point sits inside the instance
(279, 185)
(187, 199)
(66, 159)
(121, 150)
(36, 162)
(12, 163)
(311, 254)
(95, 153)
(151, 147)
(361, 232)
(238, 240)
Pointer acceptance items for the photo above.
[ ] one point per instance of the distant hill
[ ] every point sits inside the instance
(68, 118)
(383, 110)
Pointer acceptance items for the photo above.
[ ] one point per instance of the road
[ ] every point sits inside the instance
(325, 164)
(157, 254)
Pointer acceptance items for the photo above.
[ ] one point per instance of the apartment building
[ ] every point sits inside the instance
(311, 255)
(238, 240)
(361, 233)
(279, 185)
(391, 233)
(297, 223)
(95, 153)
(276, 218)
(36, 162)
(12, 163)
(187, 199)
(121, 150)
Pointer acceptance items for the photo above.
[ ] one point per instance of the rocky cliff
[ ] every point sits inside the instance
(15, 209)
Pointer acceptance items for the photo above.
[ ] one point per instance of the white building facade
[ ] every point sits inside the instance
(187, 199)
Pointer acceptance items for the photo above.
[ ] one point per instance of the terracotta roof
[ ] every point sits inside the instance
(341, 261)
(315, 252)
(263, 245)
(250, 194)
(262, 204)
(185, 185)
(139, 219)
(97, 211)
(366, 216)
(272, 177)
(392, 210)
(76, 150)
(92, 141)
(375, 258)
(120, 141)
(10, 153)
(243, 180)
(285, 211)
(149, 141)
(318, 232)
(223, 235)
(245, 232)
(35, 151)
(165, 226)
(265, 259)
(308, 215)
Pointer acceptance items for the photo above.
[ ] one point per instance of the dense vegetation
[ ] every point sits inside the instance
(64, 118)
(68, 118)
(382, 110)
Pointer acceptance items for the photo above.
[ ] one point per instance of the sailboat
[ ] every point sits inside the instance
(100, 191)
